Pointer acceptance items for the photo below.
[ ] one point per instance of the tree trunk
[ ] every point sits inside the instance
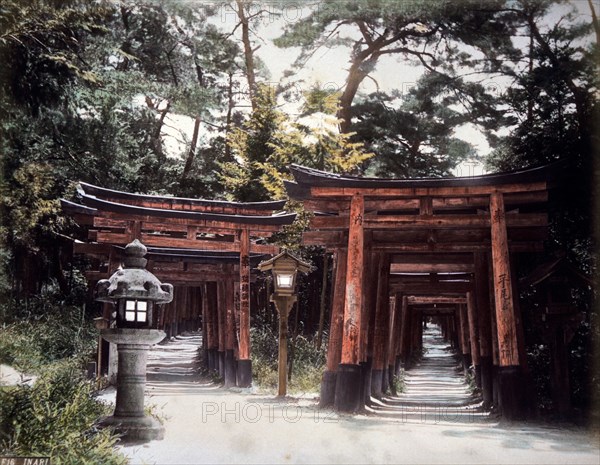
(192, 153)
(355, 76)
(595, 22)
(248, 52)
(156, 136)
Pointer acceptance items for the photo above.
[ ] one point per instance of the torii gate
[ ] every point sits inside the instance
(192, 243)
(424, 228)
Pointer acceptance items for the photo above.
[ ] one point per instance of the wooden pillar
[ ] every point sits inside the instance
(528, 399)
(390, 347)
(482, 299)
(176, 310)
(221, 318)
(368, 319)
(203, 300)
(464, 337)
(405, 333)
(213, 322)
(415, 333)
(334, 349)
(230, 366)
(347, 390)
(474, 337)
(559, 372)
(381, 333)
(369, 303)
(244, 374)
(397, 329)
(509, 372)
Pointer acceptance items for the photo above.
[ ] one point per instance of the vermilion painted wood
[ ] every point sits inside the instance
(382, 314)
(354, 283)
(503, 292)
(334, 349)
(244, 342)
(473, 327)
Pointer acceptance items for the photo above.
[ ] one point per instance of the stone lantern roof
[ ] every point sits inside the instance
(133, 281)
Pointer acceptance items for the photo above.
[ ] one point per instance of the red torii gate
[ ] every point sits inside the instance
(423, 227)
(196, 235)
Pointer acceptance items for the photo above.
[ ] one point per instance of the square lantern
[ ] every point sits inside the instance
(135, 313)
(284, 267)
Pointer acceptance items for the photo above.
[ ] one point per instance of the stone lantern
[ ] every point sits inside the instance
(135, 292)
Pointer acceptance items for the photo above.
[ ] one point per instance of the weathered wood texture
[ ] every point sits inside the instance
(382, 318)
(503, 292)
(244, 342)
(354, 283)
(334, 349)
(473, 327)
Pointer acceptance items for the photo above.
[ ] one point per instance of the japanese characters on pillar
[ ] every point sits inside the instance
(244, 353)
(505, 318)
(354, 295)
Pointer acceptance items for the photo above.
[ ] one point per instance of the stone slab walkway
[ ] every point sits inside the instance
(435, 389)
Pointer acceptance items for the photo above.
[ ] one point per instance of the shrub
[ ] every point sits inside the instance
(308, 361)
(51, 331)
(55, 417)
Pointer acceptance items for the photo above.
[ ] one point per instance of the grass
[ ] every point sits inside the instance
(308, 361)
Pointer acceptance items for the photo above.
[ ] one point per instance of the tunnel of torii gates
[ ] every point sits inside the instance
(405, 251)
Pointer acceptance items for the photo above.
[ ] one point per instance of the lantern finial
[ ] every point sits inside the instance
(134, 255)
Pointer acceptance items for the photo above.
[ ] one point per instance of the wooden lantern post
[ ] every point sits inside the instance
(284, 267)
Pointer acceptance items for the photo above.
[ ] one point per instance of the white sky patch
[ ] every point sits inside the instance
(177, 133)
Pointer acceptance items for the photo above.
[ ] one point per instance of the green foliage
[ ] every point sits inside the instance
(44, 329)
(414, 140)
(309, 363)
(399, 382)
(251, 146)
(55, 417)
(41, 42)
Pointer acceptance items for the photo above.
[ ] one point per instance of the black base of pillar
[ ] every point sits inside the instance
(391, 375)
(487, 382)
(244, 373)
(365, 384)
(327, 389)
(213, 363)
(478, 376)
(466, 362)
(385, 381)
(348, 388)
(495, 387)
(205, 357)
(377, 383)
(221, 362)
(510, 394)
(230, 375)
(398, 366)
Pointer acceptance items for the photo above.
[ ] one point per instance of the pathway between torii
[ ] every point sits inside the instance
(435, 388)
(208, 424)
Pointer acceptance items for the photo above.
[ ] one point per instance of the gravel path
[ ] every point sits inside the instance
(435, 421)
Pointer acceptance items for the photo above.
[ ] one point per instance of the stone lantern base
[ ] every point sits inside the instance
(135, 429)
(129, 419)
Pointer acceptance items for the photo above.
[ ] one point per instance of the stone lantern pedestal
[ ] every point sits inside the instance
(129, 418)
